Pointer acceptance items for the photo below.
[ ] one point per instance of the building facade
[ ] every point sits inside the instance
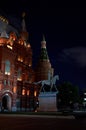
(17, 91)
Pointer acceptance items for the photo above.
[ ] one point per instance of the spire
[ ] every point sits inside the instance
(43, 42)
(43, 37)
(23, 22)
(44, 54)
(24, 33)
(4, 33)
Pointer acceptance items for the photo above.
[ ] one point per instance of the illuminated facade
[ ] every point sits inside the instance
(17, 91)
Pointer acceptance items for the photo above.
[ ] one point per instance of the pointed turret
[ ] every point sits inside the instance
(23, 22)
(44, 54)
(24, 33)
(4, 33)
(44, 71)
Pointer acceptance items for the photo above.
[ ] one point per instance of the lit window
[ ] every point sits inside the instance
(8, 82)
(35, 93)
(0, 87)
(23, 92)
(19, 74)
(19, 58)
(5, 82)
(28, 45)
(14, 89)
(10, 47)
(29, 65)
(24, 43)
(28, 92)
(7, 67)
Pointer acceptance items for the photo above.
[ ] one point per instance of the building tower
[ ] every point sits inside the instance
(17, 91)
(43, 70)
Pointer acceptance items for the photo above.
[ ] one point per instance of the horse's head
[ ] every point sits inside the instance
(56, 77)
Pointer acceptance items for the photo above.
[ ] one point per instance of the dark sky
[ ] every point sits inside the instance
(65, 33)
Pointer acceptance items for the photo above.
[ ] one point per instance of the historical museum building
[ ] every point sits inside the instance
(17, 89)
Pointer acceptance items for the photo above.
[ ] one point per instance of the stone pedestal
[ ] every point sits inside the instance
(14, 109)
(47, 101)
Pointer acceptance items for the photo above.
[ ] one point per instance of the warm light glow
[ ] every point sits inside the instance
(28, 45)
(24, 43)
(14, 89)
(1, 44)
(19, 79)
(21, 41)
(23, 92)
(10, 47)
(3, 40)
(7, 73)
(12, 37)
(28, 92)
(0, 87)
(29, 65)
(20, 59)
(35, 93)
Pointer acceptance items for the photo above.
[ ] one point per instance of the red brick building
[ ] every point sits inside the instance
(17, 91)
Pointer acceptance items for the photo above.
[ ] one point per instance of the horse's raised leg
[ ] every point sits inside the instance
(51, 86)
(43, 87)
(55, 87)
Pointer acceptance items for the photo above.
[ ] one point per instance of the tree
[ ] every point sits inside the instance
(68, 95)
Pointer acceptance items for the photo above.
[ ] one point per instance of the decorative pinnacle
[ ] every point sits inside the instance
(23, 22)
(43, 37)
(23, 14)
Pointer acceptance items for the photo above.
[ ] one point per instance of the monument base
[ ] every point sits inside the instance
(47, 101)
(14, 109)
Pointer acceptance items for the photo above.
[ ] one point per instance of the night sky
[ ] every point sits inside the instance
(65, 34)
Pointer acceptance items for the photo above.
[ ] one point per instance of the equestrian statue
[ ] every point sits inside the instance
(50, 82)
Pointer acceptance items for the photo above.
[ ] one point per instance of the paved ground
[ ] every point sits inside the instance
(36, 122)
(37, 116)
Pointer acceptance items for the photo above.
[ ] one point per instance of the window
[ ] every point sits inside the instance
(5, 82)
(7, 67)
(23, 92)
(0, 87)
(35, 94)
(19, 74)
(28, 92)
(8, 82)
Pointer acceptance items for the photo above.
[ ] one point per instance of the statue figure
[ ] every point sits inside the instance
(51, 82)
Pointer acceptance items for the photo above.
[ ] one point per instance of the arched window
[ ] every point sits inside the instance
(7, 67)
